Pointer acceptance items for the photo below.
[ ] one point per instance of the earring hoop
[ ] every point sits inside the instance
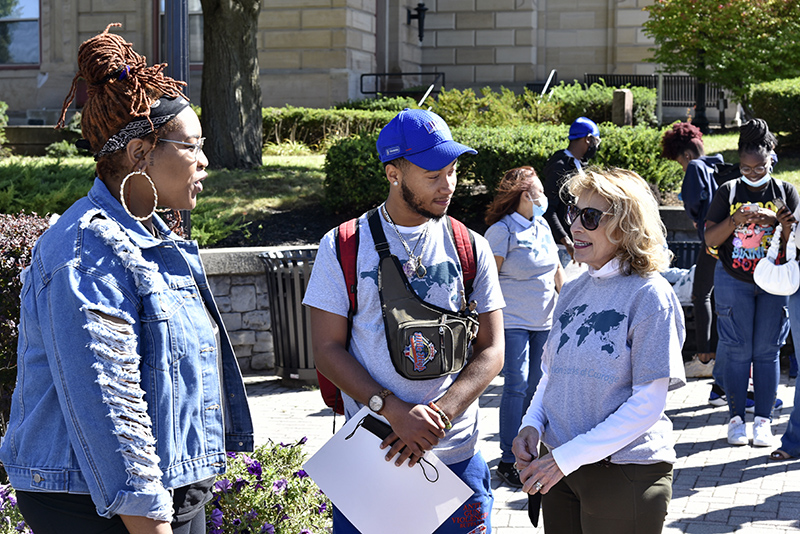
(122, 196)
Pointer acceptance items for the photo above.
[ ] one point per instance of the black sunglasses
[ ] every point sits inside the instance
(590, 217)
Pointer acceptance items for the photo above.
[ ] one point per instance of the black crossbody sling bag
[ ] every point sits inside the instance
(425, 341)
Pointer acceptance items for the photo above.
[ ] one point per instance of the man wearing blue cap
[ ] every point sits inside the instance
(584, 139)
(437, 413)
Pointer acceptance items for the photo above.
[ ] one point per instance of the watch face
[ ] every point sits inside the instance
(375, 403)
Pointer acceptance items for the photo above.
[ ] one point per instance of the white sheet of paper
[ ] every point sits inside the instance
(377, 496)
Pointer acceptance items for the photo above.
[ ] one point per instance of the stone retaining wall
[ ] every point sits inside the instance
(238, 280)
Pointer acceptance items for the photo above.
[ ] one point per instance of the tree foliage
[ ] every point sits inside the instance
(734, 43)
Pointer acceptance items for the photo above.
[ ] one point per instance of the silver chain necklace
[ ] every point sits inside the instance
(414, 264)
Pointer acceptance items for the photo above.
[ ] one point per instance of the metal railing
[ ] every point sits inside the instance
(401, 83)
(678, 89)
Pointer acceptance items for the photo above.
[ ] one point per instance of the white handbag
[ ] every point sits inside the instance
(781, 279)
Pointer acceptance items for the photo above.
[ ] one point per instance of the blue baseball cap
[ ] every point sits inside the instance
(583, 127)
(421, 137)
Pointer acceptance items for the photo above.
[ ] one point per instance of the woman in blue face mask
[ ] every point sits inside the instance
(530, 277)
(751, 323)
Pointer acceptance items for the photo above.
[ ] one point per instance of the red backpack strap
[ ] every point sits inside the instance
(465, 247)
(346, 252)
(346, 237)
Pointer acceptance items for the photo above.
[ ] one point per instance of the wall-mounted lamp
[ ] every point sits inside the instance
(420, 16)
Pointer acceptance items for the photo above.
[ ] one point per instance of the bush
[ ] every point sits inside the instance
(355, 179)
(268, 492)
(465, 108)
(382, 103)
(774, 102)
(18, 233)
(596, 103)
(319, 127)
(43, 185)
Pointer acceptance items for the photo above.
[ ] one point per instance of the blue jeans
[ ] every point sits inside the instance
(521, 373)
(475, 515)
(790, 442)
(752, 325)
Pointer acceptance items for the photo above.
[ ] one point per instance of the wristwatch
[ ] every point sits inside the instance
(376, 401)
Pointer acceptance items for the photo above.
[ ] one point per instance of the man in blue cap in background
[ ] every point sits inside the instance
(584, 139)
(439, 413)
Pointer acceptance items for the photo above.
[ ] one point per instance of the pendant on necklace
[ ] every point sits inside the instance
(421, 271)
(409, 268)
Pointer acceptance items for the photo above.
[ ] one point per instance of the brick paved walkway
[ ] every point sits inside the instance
(717, 488)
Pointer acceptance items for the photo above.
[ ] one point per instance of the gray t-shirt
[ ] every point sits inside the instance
(441, 286)
(527, 277)
(610, 335)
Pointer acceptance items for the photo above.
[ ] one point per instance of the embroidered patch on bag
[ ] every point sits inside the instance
(420, 351)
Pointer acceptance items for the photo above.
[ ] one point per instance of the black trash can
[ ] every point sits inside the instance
(288, 272)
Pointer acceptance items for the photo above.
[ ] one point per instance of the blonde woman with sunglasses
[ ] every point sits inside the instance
(611, 357)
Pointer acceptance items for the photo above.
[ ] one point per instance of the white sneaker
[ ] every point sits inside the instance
(737, 432)
(762, 432)
(697, 369)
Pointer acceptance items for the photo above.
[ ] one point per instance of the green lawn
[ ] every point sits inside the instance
(787, 169)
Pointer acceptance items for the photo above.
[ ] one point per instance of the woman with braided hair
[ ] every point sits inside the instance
(752, 324)
(128, 392)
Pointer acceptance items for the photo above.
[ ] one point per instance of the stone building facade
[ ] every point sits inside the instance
(313, 52)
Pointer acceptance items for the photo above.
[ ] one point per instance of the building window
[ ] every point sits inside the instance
(19, 32)
(195, 31)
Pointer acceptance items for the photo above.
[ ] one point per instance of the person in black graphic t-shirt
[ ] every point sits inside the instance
(752, 324)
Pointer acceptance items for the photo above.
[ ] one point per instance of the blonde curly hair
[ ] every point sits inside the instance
(635, 225)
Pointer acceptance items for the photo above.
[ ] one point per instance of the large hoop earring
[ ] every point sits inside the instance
(122, 196)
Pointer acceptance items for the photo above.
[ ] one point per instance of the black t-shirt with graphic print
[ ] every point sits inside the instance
(741, 252)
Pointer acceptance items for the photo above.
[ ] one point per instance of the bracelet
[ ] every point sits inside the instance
(446, 420)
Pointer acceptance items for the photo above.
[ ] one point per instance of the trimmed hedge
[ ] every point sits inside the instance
(355, 179)
(318, 127)
(773, 102)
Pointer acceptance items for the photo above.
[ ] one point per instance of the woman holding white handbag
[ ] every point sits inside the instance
(752, 323)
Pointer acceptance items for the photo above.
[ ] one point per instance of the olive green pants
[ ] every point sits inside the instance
(606, 498)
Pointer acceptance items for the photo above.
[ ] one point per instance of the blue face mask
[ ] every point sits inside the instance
(538, 211)
(764, 179)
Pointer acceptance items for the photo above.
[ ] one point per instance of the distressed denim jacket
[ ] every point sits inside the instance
(122, 392)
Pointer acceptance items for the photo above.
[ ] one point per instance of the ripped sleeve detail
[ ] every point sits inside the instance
(145, 273)
(114, 346)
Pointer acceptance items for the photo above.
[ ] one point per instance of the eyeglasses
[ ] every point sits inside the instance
(590, 217)
(597, 139)
(761, 169)
(196, 147)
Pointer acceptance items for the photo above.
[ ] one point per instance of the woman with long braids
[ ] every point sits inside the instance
(752, 324)
(128, 392)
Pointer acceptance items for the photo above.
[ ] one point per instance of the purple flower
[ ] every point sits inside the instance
(306, 531)
(237, 522)
(20, 526)
(285, 517)
(301, 474)
(239, 484)
(322, 507)
(216, 518)
(278, 507)
(284, 445)
(252, 514)
(279, 485)
(267, 529)
(12, 501)
(223, 486)
(231, 454)
(254, 468)
(302, 440)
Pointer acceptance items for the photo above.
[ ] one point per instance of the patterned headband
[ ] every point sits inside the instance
(162, 111)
